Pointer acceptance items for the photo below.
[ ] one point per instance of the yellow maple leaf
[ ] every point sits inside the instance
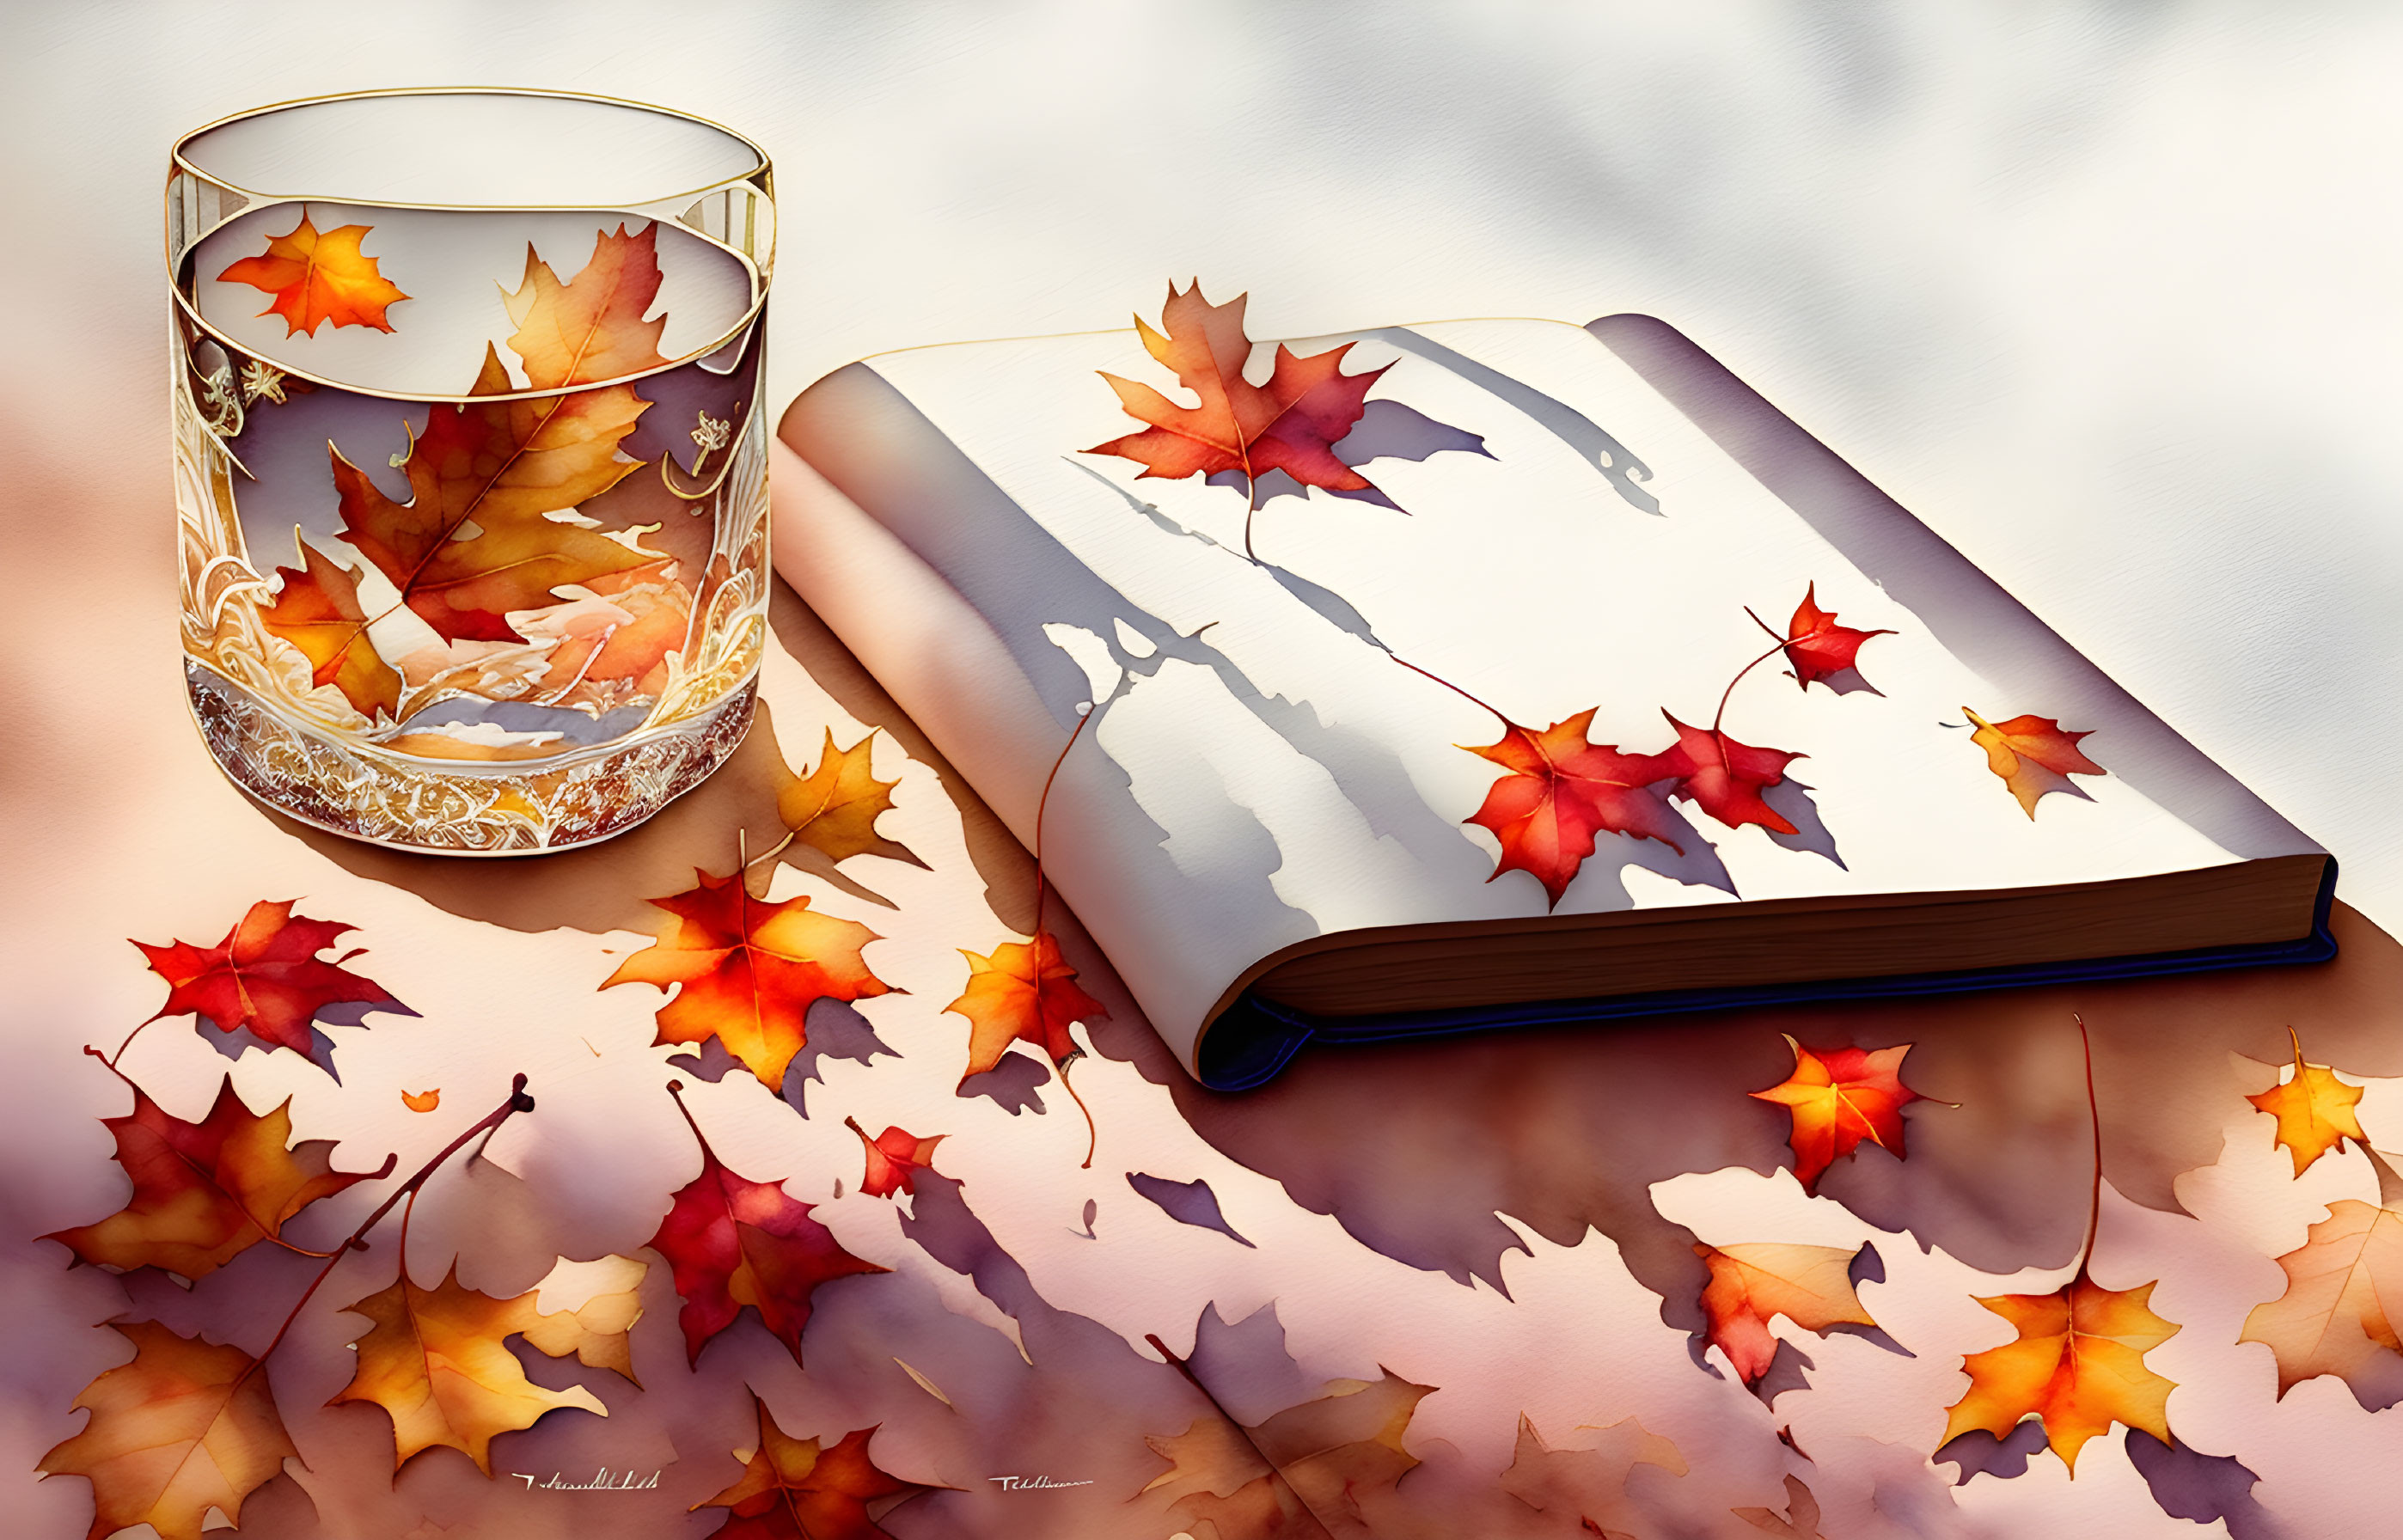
(834, 807)
(317, 277)
(437, 1360)
(591, 329)
(186, 1427)
(2079, 1365)
(2344, 1292)
(2314, 1110)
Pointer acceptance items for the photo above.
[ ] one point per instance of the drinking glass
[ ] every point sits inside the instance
(470, 472)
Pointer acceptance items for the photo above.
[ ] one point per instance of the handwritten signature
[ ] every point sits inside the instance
(1034, 1483)
(604, 1482)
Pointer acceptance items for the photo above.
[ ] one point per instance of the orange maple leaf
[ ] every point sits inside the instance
(422, 1100)
(895, 1159)
(591, 329)
(1840, 1096)
(185, 1427)
(735, 1242)
(317, 610)
(503, 466)
(2033, 755)
(1317, 1457)
(1025, 992)
(750, 970)
(798, 1489)
(2078, 1363)
(437, 1361)
(1809, 1286)
(2314, 1110)
(1816, 647)
(2337, 1315)
(834, 807)
(1562, 791)
(265, 976)
(205, 1192)
(318, 278)
(1291, 423)
(1725, 778)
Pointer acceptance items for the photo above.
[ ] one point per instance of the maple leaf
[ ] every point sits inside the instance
(501, 466)
(1562, 791)
(591, 329)
(265, 976)
(1809, 1286)
(437, 1362)
(317, 610)
(185, 1427)
(2033, 755)
(796, 1489)
(205, 1192)
(1291, 423)
(2337, 1315)
(2314, 1110)
(834, 808)
(733, 1241)
(895, 1159)
(1816, 647)
(318, 278)
(1725, 778)
(1025, 992)
(1318, 1455)
(422, 1100)
(1587, 1484)
(750, 969)
(1838, 1098)
(2078, 1363)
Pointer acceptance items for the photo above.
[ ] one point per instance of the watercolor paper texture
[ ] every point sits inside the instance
(1545, 533)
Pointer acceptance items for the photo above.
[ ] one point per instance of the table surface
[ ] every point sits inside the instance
(2104, 296)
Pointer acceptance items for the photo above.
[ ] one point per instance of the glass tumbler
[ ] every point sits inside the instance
(470, 472)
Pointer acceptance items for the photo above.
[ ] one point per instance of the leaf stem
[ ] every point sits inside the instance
(2094, 1117)
(1251, 508)
(110, 1060)
(518, 1102)
(1092, 1133)
(1721, 714)
(1043, 803)
(675, 1094)
(1449, 685)
(1764, 625)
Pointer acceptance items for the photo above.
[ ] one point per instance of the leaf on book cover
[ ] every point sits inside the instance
(185, 1427)
(834, 807)
(1587, 1486)
(1838, 1098)
(895, 1159)
(1725, 778)
(1809, 1286)
(591, 329)
(2078, 1363)
(437, 1362)
(476, 539)
(2338, 1314)
(205, 1192)
(265, 976)
(1816, 647)
(734, 1243)
(1312, 1458)
(749, 970)
(1291, 423)
(1024, 992)
(2033, 755)
(317, 610)
(1561, 792)
(800, 1489)
(2314, 1110)
(1800, 1521)
(317, 277)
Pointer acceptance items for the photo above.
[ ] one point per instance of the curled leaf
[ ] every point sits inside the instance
(2033, 755)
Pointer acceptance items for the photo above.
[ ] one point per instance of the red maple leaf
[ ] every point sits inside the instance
(1840, 1096)
(1562, 791)
(1725, 778)
(1819, 647)
(1291, 423)
(265, 976)
(895, 1159)
(2034, 756)
(732, 1241)
(806, 1489)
